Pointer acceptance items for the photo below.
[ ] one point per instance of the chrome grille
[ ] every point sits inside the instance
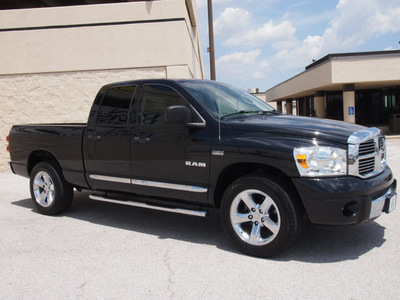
(366, 153)
(366, 148)
(382, 146)
(366, 165)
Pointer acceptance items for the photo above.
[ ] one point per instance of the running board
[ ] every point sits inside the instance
(196, 213)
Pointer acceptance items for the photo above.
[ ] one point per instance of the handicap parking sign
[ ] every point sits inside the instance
(351, 110)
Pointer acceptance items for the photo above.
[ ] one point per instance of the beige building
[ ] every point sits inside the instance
(362, 88)
(261, 95)
(54, 59)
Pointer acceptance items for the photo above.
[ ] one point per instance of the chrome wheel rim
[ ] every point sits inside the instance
(255, 217)
(43, 189)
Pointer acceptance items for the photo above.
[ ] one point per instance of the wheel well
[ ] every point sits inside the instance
(39, 156)
(231, 173)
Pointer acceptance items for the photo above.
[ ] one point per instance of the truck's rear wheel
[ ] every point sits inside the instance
(260, 216)
(50, 193)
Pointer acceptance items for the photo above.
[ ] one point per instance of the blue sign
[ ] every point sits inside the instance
(351, 110)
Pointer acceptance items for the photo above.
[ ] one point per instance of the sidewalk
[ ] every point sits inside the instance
(392, 136)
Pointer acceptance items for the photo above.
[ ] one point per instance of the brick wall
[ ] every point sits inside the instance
(55, 97)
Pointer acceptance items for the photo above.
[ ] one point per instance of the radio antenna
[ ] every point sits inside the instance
(219, 115)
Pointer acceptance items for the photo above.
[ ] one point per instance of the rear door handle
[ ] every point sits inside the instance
(94, 137)
(141, 141)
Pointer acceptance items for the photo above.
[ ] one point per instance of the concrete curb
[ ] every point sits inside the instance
(391, 137)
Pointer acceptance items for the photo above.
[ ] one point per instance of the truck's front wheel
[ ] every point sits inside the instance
(50, 193)
(260, 216)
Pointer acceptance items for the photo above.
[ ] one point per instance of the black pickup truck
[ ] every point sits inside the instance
(188, 146)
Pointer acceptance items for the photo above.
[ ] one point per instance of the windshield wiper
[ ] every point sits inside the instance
(241, 112)
(272, 112)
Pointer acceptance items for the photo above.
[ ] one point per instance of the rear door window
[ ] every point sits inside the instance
(114, 109)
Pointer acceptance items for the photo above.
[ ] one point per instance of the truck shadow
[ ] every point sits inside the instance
(314, 246)
(328, 246)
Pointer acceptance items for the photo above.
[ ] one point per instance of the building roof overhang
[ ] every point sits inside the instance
(364, 70)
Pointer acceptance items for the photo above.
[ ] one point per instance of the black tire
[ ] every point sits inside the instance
(50, 193)
(257, 232)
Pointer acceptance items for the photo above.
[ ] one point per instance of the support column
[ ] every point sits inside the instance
(289, 107)
(296, 108)
(349, 96)
(319, 104)
(279, 106)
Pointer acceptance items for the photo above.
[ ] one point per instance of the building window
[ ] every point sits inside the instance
(369, 108)
(334, 106)
(374, 107)
(305, 107)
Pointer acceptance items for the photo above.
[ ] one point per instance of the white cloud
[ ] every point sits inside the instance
(247, 65)
(278, 35)
(392, 48)
(240, 57)
(258, 44)
(298, 4)
(355, 22)
(300, 56)
(359, 21)
(232, 21)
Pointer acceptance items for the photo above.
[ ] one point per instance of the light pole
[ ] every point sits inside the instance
(211, 40)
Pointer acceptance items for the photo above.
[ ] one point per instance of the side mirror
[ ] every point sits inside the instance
(178, 114)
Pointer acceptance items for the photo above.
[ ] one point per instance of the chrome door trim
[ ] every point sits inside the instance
(170, 186)
(110, 178)
(156, 184)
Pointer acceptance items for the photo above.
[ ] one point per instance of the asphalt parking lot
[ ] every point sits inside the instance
(107, 251)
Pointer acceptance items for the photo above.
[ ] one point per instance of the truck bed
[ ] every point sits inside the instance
(62, 140)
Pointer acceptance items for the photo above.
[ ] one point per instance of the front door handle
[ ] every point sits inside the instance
(94, 137)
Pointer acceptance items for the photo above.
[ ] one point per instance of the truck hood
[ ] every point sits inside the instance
(284, 125)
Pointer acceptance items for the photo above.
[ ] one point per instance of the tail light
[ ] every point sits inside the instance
(8, 141)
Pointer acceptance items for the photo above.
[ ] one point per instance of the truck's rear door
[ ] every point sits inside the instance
(107, 140)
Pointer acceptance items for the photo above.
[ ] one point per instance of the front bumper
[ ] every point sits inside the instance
(346, 200)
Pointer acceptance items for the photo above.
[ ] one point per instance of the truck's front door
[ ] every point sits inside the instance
(107, 141)
(168, 160)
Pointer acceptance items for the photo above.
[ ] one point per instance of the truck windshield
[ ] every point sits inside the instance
(224, 100)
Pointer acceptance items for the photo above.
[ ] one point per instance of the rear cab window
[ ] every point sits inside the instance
(115, 107)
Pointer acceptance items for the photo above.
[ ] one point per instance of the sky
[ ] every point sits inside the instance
(261, 43)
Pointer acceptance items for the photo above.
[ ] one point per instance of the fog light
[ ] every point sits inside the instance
(351, 209)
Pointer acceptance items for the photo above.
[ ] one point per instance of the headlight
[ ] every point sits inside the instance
(321, 161)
